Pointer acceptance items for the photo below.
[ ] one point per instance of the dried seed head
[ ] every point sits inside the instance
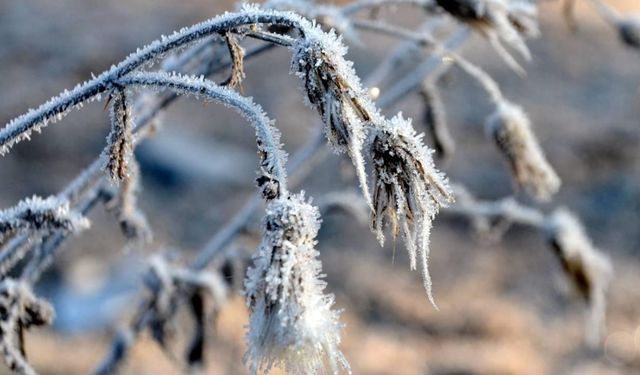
(170, 287)
(629, 31)
(588, 269)
(334, 90)
(499, 21)
(509, 126)
(292, 324)
(20, 309)
(408, 191)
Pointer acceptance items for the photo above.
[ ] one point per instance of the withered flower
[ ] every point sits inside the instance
(20, 309)
(333, 89)
(292, 324)
(510, 128)
(588, 269)
(499, 21)
(408, 191)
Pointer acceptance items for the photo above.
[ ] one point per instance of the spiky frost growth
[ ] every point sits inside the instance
(292, 325)
(408, 191)
(120, 139)
(334, 90)
(20, 310)
(499, 21)
(38, 214)
(510, 128)
(629, 31)
(588, 269)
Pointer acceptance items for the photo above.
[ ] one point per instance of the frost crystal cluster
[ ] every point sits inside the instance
(292, 324)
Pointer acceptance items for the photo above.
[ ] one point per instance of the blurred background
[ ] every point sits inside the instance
(505, 307)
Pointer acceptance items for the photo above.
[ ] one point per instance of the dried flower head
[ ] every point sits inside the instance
(510, 127)
(629, 31)
(408, 191)
(588, 269)
(334, 90)
(499, 21)
(292, 324)
(20, 309)
(172, 286)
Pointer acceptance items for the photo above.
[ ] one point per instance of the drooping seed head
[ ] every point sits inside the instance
(408, 190)
(587, 268)
(292, 325)
(510, 128)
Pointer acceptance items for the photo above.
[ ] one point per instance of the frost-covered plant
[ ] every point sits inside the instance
(509, 126)
(40, 215)
(408, 190)
(500, 21)
(588, 269)
(20, 310)
(292, 323)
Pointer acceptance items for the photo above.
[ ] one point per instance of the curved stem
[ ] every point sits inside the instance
(89, 179)
(268, 136)
(21, 127)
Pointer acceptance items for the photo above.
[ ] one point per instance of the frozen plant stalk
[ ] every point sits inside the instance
(292, 325)
(510, 127)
